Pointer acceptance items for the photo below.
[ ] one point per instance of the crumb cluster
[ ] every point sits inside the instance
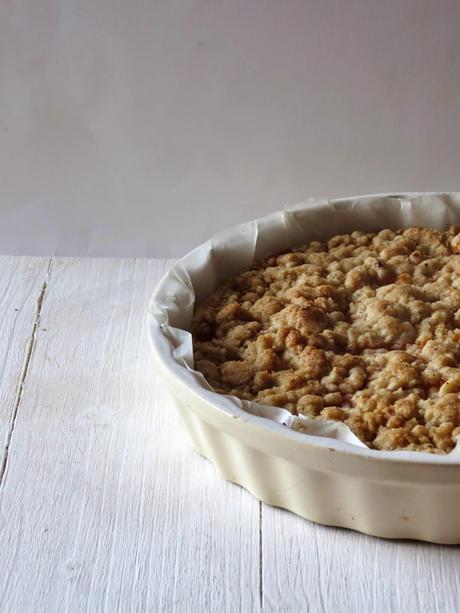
(362, 328)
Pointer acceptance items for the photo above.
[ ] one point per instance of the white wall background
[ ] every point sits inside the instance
(132, 127)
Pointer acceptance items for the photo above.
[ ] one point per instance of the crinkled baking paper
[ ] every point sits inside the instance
(196, 275)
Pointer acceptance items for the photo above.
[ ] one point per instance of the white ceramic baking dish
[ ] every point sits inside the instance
(330, 481)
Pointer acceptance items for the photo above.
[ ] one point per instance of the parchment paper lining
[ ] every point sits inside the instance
(196, 275)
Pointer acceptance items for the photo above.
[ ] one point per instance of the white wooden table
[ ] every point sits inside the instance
(104, 506)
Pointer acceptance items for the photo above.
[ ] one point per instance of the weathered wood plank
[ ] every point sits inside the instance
(21, 284)
(105, 506)
(307, 567)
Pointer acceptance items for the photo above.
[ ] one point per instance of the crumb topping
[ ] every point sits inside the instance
(362, 328)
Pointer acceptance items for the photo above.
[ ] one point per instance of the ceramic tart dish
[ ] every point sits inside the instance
(323, 473)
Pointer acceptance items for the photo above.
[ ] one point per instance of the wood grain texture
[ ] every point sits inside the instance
(105, 505)
(21, 282)
(307, 567)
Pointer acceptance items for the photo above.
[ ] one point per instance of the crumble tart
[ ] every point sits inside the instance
(362, 328)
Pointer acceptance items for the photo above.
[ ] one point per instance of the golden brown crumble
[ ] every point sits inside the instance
(362, 328)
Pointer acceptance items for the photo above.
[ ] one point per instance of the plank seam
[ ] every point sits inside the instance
(261, 585)
(24, 371)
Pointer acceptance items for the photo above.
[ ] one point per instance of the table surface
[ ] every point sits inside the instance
(104, 506)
